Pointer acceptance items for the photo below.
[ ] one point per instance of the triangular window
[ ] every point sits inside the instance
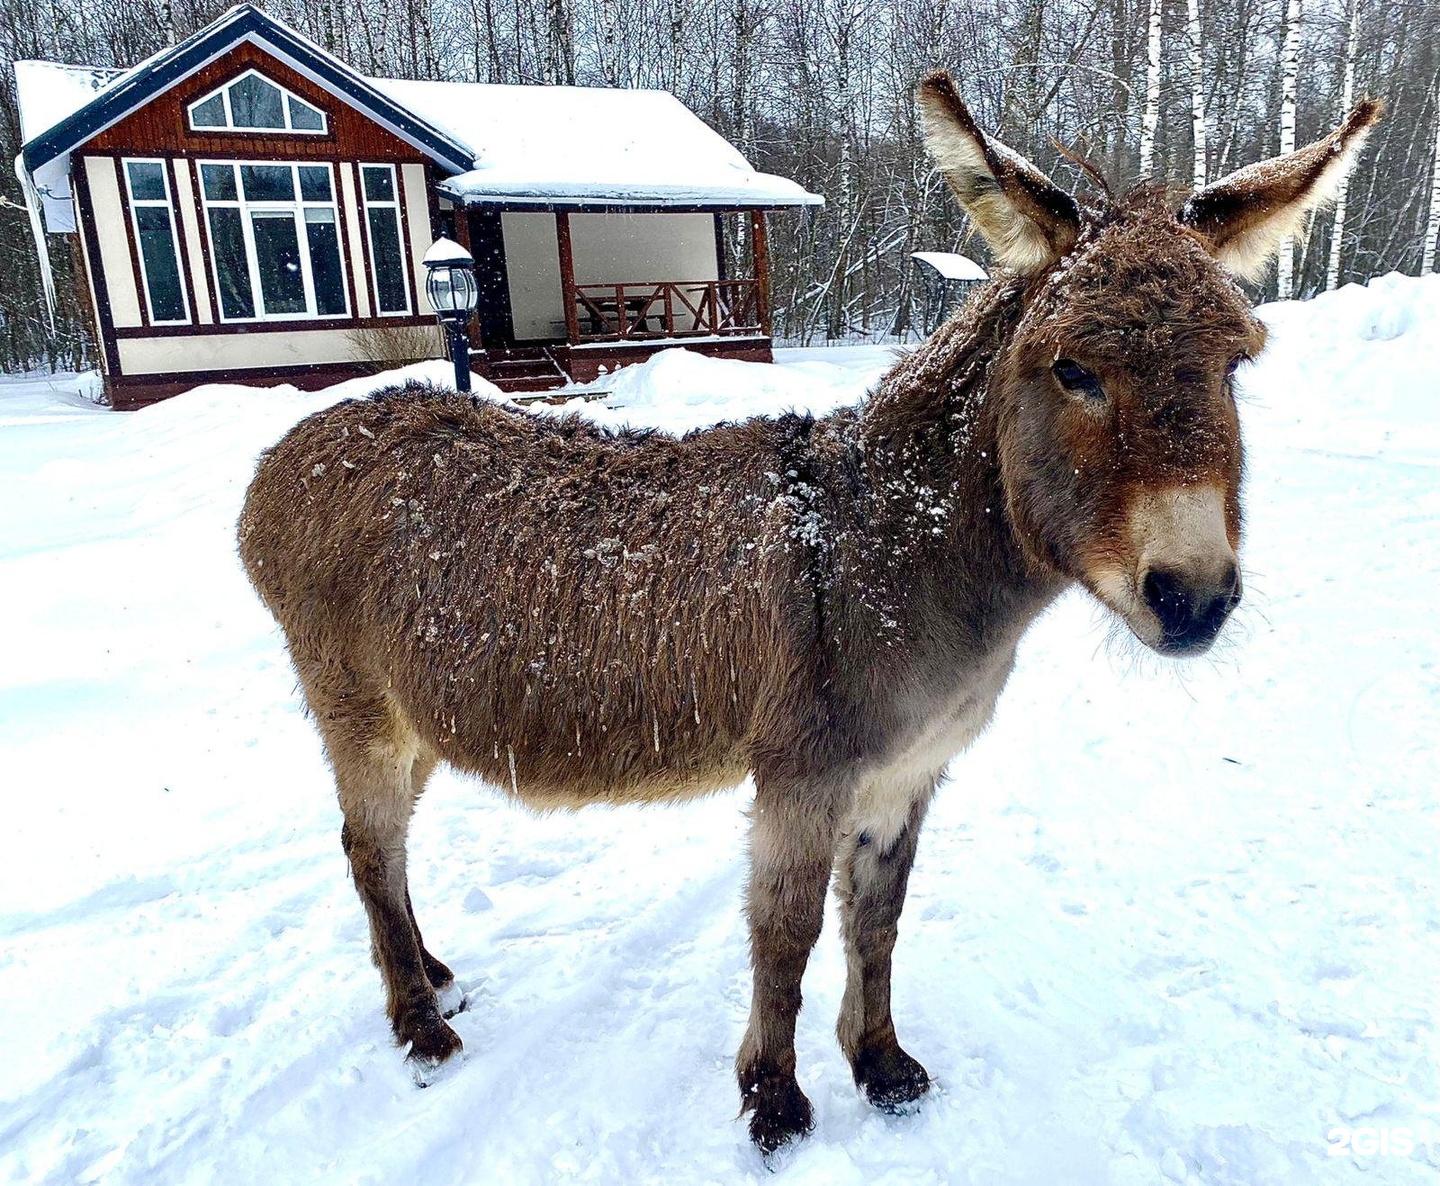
(252, 103)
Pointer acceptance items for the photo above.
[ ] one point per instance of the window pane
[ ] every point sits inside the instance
(379, 184)
(389, 260)
(268, 183)
(209, 114)
(314, 183)
(162, 269)
(255, 103)
(227, 243)
(305, 118)
(147, 181)
(324, 237)
(277, 256)
(219, 182)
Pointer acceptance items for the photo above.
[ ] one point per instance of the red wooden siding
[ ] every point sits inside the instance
(161, 128)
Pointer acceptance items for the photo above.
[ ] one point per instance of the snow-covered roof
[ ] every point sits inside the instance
(538, 145)
(950, 265)
(48, 92)
(528, 145)
(54, 125)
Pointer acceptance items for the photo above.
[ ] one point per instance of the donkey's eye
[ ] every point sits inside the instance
(1075, 378)
(1235, 364)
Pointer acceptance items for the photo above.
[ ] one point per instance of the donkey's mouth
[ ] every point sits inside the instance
(1173, 615)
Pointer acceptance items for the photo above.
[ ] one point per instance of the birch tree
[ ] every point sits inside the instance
(1152, 92)
(1197, 88)
(1337, 232)
(1289, 68)
(1432, 224)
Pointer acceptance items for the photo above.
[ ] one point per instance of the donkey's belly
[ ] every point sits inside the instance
(550, 766)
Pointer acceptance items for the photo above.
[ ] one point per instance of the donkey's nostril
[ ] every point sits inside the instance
(1169, 600)
(1190, 614)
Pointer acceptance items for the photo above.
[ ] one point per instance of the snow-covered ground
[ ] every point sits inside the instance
(1168, 923)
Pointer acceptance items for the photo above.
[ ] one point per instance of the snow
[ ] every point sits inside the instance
(951, 265)
(590, 144)
(447, 251)
(1168, 923)
(48, 92)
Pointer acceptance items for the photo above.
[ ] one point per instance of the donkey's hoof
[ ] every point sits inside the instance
(893, 1081)
(782, 1114)
(432, 1043)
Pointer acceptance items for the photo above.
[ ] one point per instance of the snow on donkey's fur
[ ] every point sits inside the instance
(832, 605)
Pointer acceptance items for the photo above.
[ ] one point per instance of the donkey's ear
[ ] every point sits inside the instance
(1243, 218)
(1027, 219)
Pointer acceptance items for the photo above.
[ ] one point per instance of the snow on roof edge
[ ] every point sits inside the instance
(952, 265)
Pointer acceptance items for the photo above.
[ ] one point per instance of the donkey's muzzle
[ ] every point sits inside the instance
(1190, 611)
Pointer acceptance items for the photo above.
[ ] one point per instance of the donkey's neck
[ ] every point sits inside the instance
(933, 517)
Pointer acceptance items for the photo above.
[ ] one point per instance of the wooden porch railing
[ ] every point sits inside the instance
(664, 309)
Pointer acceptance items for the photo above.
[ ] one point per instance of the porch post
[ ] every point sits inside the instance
(760, 256)
(462, 236)
(567, 275)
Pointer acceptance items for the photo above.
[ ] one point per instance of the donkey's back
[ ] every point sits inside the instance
(573, 613)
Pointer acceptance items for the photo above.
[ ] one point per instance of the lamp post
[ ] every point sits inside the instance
(450, 285)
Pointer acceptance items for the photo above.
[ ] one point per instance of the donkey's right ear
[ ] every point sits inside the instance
(1027, 219)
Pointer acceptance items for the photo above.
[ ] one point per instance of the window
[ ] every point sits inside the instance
(387, 252)
(252, 103)
(274, 240)
(153, 223)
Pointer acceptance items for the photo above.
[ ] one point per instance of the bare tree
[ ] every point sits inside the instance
(1337, 232)
(1289, 69)
(1197, 89)
(1152, 92)
(1432, 224)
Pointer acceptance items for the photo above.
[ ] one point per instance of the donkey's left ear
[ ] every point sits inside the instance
(1027, 219)
(1243, 218)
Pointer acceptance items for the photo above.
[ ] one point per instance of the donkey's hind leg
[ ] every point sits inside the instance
(440, 976)
(872, 872)
(376, 757)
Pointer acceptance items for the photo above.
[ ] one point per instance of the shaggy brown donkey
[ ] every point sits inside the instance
(831, 605)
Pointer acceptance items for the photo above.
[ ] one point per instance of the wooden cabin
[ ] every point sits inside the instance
(248, 208)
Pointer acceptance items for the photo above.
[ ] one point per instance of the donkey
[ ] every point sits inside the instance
(829, 605)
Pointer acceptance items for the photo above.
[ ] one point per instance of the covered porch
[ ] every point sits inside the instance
(572, 293)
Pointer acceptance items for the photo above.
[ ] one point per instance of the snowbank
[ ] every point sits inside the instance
(1167, 924)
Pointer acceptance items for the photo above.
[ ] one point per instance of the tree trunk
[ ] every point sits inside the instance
(1432, 224)
(1152, 93)
(1289, 63)
(1337, 233)
(1197, 90)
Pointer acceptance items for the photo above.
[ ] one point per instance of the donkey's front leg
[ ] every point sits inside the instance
(872, 872)
(792, 846)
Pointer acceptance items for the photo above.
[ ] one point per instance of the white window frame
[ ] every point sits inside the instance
(297, 210)
(398, 206)
(168, 203)
(232, 126)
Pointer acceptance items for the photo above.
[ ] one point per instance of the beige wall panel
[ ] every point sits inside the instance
(109, 214)
(202, 310)
(358, 267)
(211, 352)
(532, 262)
(417, 211)
(615, 248)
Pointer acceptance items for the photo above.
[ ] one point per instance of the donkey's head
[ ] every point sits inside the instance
(1119, 444)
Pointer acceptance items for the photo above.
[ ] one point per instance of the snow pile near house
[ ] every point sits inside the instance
(1168, 924)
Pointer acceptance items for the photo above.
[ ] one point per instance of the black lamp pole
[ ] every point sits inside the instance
(459, 351)
(450, 285)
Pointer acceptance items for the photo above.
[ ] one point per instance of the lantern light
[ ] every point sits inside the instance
(453, 294)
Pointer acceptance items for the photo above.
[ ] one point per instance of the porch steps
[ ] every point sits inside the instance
(522, 370)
